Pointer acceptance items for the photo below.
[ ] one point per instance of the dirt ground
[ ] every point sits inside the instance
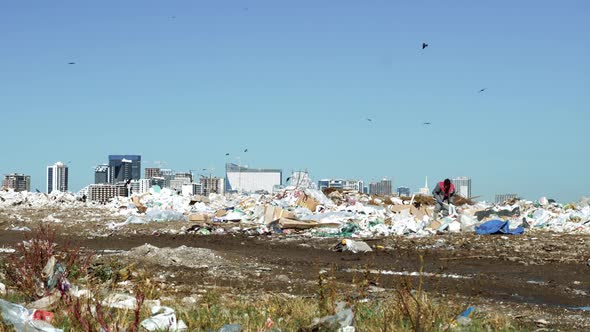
(538, 275)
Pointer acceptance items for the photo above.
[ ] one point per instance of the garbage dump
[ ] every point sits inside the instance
(310, 212)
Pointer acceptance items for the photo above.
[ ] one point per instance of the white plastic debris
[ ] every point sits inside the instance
(356, 246)
(163, 319)
(22, 320)
(120, 301)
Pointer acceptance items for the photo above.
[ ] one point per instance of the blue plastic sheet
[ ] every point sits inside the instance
(497, 227)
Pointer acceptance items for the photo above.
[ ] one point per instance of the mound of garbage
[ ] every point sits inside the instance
(311, 212)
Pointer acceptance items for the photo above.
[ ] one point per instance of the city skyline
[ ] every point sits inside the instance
(171, 173)
(278, 85)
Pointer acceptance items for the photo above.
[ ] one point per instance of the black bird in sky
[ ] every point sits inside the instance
(246, 150)
(426, 123)
(370, 120)
(424, 45)
(71, 63)
(227, 154)
(482, 90)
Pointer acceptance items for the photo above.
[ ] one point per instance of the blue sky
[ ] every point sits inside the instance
(293, 81)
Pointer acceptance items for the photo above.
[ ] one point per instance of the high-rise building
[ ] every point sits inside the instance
(152, 172)
(355, 185)
(160, 182)
(192, 189)
(140, 186)
(462, 186)
(245, 179)
(212, 185)
(382, 187)
(124, 168)
(16, 181)
(102, 174)
(183, 176)
(57, 177)
(105, 192)
(501, 198)
(168, 175)
(403, 191)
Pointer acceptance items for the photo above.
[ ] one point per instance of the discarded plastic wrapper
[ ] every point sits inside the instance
(163, 319)
(354, 246)
(464, 318)
(342, 321)
(23, 319)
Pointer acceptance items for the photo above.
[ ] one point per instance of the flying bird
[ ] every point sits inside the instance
(227, 154)
(426, 123)
(424, 45)
(370, 120)
(71, 63)
(482, 90)
(246, 150)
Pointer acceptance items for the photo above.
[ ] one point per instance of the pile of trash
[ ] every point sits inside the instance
(313, 213)
(24, 199)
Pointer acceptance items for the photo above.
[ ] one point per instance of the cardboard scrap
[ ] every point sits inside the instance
(140, 207)
(220, 213)
(273, 213)
(418, 213)
(307, 202)
(296, 224)
(198, 217)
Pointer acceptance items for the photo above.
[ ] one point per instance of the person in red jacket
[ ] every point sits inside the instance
(444, 191)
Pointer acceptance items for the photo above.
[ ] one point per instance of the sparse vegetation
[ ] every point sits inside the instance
(406, 308)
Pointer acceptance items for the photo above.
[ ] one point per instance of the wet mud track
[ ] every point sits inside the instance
(462, 271)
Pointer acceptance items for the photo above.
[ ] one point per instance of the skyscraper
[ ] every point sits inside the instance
(124, 167)
(152, 172)
(168, 176)
(102, 174)
(57, 177)
(403, 191)
(382, 187)
(18, 182)
(462, 186)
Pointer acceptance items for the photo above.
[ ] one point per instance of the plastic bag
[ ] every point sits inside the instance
(22, 319)
(164, 319)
